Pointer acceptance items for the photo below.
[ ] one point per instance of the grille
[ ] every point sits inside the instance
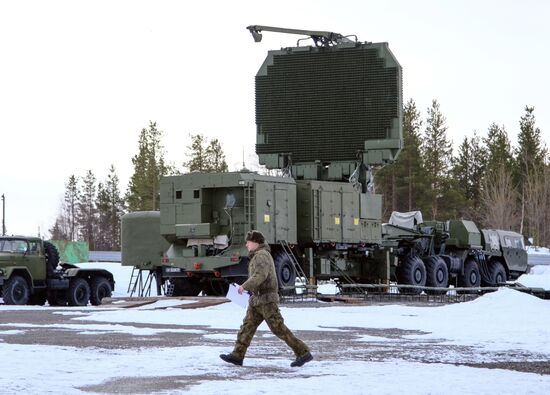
(324, 103)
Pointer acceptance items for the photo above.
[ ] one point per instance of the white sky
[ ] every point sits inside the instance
(80, 79)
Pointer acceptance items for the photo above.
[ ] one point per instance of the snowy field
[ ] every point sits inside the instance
(392, 349)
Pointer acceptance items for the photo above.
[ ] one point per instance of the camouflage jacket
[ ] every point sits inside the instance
(262, 279)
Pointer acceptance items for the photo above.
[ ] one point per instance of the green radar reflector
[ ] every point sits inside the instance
(341, 103)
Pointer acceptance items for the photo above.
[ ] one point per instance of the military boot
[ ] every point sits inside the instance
(302, 360)
(231, 358)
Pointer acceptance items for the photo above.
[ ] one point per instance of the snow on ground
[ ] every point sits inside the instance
(538, 255)
(64, 370)
(505, 322)
(538, 277)
(489, 322)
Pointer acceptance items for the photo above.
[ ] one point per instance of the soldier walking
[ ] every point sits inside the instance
(263, 304)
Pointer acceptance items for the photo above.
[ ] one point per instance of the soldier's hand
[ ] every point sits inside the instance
(240, 290)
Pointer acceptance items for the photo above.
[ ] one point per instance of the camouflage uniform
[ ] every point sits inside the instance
(262, 283)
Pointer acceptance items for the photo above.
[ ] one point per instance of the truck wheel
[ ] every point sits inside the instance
(412, 272)
(497, 272)
(286, 275)
(38, 298)
(16, 291)
(57, 298)
(471, 277)
(52, 256)
(101, 288)
(78, 293)
(437, 274)
(186, 287)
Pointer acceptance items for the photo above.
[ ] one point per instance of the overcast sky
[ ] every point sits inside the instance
(80, 79)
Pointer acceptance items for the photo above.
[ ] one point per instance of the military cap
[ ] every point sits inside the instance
(256, 236)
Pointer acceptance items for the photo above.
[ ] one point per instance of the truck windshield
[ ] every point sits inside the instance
(15, 245)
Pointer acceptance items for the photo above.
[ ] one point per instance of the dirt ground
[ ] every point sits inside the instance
(322, 344)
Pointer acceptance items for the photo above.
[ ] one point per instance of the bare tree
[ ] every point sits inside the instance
(499, 201)
(537, 205)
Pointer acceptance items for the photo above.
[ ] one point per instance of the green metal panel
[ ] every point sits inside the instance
(351, 230)
(513, 250)
(232, 203)
(72, 251)
(463, 234)
(371, 231)
(329, 212)
(371, 206)
(141, 242)
(197, 230)
(265, 204)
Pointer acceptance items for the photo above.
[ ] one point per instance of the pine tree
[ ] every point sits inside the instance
(216, 157)
(403, 182)
(104, 235)
(529, 161)
(205, 156)
(410, 159)
(498, 150)
(198, 154)
(468, 171)
(72, 196)
(116, 208)
(87, 210)
(530, 153)
(58, 231)
(437, 152)
(149, 167)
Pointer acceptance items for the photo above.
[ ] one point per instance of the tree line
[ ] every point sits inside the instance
(487, 179)
(91, 211)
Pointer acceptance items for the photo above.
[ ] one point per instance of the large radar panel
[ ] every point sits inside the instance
(329, 104)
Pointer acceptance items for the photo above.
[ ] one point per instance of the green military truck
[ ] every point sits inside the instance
(436, 254)
(30, 273)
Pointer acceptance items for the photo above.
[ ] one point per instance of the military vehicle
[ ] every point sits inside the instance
(438, 254)
(30, 273)
(326, 115)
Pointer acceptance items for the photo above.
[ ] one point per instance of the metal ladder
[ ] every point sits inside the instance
(297, 268)
(343, 275)
(136, 283)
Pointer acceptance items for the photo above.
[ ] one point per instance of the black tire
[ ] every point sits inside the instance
(78, 293)
(471, 277)
(52, 256)
(437, 274)
(286, 274)
(101, 288)
(38, 298)
(16, 291)
(497, 273)
(186, 287)
(215, 287)
(412, 272)
(57, 298)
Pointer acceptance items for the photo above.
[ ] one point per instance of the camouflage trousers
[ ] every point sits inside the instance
(269, 312)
